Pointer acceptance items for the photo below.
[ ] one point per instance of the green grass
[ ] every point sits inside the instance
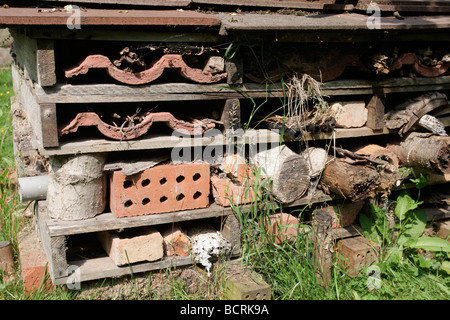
(8, 196)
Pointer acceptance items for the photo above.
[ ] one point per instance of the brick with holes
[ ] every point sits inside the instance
(163, 188)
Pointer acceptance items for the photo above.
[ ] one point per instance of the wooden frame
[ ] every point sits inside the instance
(54, 233)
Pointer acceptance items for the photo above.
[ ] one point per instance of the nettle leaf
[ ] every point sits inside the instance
(404, 204)
(430, 244)
(394, 255)
(415, 227)
(368, 227)
(377, 212)
(419, 182)
(425, 263)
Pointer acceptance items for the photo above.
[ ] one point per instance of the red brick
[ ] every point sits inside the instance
(358, 252)
(226, 192)
(33, 262)
(283, 226)
(236, 167)
(175, 241)
(163, 188)
(444, 230)
(133, 245)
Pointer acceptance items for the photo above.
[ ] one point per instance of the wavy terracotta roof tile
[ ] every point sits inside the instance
(92, 119)
(173, 61)
(425, 71)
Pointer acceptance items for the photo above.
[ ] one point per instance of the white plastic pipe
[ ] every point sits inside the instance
(33, 188)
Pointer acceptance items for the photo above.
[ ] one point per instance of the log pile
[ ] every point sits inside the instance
(424, 151)
(356, 176)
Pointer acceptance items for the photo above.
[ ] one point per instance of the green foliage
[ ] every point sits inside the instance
(400, 242)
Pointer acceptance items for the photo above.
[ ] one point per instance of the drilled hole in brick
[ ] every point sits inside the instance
(128, 203)
(145, 201)
(145, 182)
(180, 197)
(180, 179)
(163, 180)
(162, 199)
(197, 195)
(127, 184)
(196, 176)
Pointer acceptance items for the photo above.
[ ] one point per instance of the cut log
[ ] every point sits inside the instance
(316, 159)
(288, 170)
(323, 246)
(424, 151)
(344, 214)
(353, 182)
(358, 176)
(76, 186)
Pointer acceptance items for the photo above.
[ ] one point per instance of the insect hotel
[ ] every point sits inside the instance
(142, 127)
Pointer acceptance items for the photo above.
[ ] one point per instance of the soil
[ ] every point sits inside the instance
(162, 285)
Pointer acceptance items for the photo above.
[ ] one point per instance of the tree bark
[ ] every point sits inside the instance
(323, 246)
(76, 187)
(351, 181)
(424, 151)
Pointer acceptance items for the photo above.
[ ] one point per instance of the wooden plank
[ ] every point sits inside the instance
(252, 22)
(323, 246)
(107, 221)
(27, 99)
(231, 114)
(104, 267)
(231, 230)
(104, 17)
(217, 141)
(49, 125)
(119, 34)
(211, 138)
(163, 3)
(375, 115)
(45, 60)
(292, 4)
(406, 5)
(36, 56)
(97, 93)
(54, 247)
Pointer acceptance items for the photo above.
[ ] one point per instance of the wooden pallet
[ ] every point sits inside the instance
(385, 5)
(42, 96)
(54, 237)
(41, 106)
